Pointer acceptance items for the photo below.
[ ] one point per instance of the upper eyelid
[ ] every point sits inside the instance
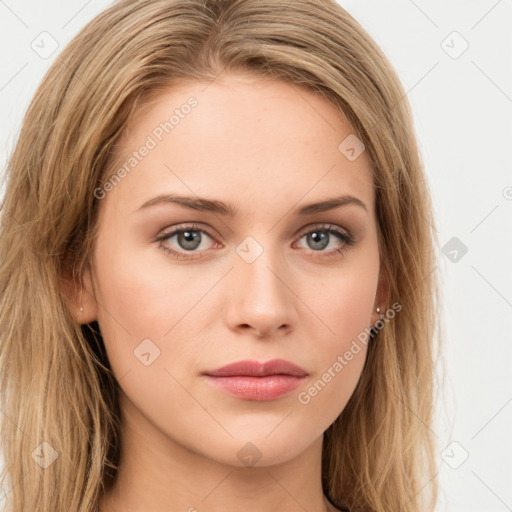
(166, 233)
(192, 226)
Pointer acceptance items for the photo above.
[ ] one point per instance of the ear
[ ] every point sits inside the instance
(79, 295)
(382, 298)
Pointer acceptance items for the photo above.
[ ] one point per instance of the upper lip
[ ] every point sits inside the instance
(258, 369)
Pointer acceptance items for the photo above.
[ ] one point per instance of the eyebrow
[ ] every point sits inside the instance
(221, 208)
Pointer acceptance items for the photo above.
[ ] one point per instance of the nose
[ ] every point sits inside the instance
(261, 297)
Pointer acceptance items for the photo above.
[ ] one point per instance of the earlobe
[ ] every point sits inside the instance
(79, 297)
(382, 299)
(87, 307)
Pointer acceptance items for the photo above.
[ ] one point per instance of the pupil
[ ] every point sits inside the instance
(319, 237)
(189, 239)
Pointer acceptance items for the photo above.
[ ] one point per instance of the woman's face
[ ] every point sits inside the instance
(249, 277)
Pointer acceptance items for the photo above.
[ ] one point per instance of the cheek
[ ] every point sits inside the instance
(340, 353)
(342, 306)
(343, 302)
(141, 295)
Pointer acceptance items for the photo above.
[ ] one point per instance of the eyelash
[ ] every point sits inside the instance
(343, 236)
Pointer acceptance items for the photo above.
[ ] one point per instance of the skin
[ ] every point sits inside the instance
(267, 148)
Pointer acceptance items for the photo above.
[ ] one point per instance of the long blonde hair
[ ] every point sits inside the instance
(56, 383)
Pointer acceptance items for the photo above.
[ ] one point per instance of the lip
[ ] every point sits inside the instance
(252, 368)
(259, 389)
(252, 380)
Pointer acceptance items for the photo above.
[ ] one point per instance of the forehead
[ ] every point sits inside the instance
(247, 140)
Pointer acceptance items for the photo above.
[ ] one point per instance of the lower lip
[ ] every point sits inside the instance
(257, 388)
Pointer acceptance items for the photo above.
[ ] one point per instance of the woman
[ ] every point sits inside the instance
(217, 266)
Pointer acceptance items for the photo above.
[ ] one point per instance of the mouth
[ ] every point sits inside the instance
(251, 368)
(252, 380)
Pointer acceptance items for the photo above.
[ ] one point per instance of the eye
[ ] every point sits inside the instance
(319, 237)
(191, 239)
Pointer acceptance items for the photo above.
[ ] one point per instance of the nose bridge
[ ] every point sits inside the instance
(258, 266)
(261, 298)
